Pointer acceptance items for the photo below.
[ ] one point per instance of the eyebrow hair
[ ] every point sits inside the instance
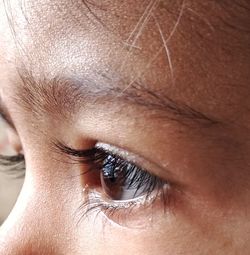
(65, 95)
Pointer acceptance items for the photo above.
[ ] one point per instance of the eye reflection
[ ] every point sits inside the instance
(123, 180)
(112, 179)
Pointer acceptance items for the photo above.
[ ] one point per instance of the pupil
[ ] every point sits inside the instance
(122, 181)
(109, 171)
(112, 178)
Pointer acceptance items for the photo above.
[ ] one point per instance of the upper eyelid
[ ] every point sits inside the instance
(139, 161)
(61, 147)
(90, 155)
(84, 156)
(79, 153)
(109, 149)
(118, 151)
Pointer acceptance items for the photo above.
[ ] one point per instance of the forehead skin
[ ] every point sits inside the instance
(194, 51)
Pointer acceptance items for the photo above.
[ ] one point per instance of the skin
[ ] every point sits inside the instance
(208, 164)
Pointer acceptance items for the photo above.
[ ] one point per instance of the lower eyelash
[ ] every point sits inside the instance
(121, 212)
(13, 165)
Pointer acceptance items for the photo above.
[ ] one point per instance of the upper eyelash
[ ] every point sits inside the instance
(153, 184)
(138, 177)
(99, 155)
(83, 156)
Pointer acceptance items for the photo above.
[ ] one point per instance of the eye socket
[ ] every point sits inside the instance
(119, 179)
(114, 184)
(12, 172)
(9, 145)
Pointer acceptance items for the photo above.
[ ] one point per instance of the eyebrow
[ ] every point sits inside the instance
(66, 95)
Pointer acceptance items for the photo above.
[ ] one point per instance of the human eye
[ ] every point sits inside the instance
(11, 164)
(116, 185)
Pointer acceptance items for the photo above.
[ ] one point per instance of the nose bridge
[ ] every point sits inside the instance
(15, 245)
(12, 230)
(35, 227)
(38, 223)
(14, 238)
(17, 234)
(24, 235)
(24, 231)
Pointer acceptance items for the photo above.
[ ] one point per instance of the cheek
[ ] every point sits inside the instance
(174, 236)
(48, 215)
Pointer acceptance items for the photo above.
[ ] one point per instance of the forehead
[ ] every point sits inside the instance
(191, 49)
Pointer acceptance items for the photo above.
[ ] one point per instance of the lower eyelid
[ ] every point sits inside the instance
(134, 213)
